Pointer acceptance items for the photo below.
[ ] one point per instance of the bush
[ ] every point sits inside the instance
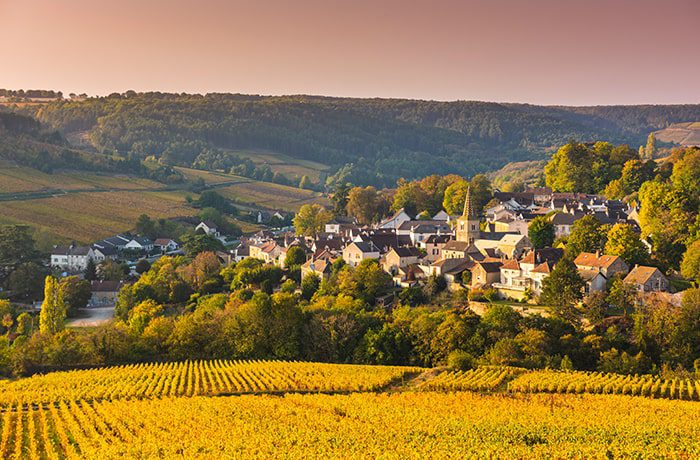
(460, 360)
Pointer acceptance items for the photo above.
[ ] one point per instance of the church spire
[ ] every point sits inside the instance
(468, 208)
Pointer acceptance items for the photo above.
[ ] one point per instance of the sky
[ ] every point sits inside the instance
(592, 52)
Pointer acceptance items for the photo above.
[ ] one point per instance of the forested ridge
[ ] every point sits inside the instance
(384, 139)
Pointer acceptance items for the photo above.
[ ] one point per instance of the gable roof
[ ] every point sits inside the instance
(437, 239)
(641, 274)
(538, 256)
(408, 251)
(545, 267)
(364, 246)
(511, 264)
(490, 267)
(71, 250)
(590, 259)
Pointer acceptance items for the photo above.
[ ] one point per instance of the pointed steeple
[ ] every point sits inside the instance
(468, 207)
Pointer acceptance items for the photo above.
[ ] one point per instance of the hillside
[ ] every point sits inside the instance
(383, 138)
(685, 134)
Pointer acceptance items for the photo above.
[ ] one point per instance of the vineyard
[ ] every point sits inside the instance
(194, 378)
(604, 383)
(357, 425)
(485, 378)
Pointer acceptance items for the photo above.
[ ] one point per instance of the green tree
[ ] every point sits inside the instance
(622, 295)
(16, 245)
(145, 226)
(571, 169)
(90, 270)
(25, 281)
(453, 201)
(295, 257)
(540, 231)
(53, 309)
(690, 266)
(311, 220)
(76, 294)
(194, 244)
(309, 285)
(563, 289)
(587, 235)
(623, 241)
(364, 205)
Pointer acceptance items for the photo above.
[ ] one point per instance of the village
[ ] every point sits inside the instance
(489, 253)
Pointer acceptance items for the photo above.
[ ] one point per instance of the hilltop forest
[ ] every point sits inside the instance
(364, 141)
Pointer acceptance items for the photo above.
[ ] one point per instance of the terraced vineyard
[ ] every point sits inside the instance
(485, 378)
(604, 383)
(193, 378)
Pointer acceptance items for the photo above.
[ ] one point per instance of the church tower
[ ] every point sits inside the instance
(468, 223)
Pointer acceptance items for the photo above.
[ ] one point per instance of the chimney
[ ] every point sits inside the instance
(597, 253)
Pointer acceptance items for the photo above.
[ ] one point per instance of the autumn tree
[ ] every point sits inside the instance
(295, 257)
(311, 220)
(203, 269)
(690, 265)
(625, 242)
(53, 309)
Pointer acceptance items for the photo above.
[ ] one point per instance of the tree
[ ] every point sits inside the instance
(595, 307)
(571, 169)
(587, 235)
(541, 232)
(562, 289)
(194, 244)
(110, 270)
(690, 266)
(634, 174)
(142, 266)
(311, 220)
(53, 309)
(76, 293)
(305, 182)
(90, 270)
(453, 201)
(622, 295)
(309, 285)
(650, 150)
(25, 280)
(203, 269)
(364, 204)
(142, 314)
(295, 257)
(16, 245)
(145, 226)
(624, 242)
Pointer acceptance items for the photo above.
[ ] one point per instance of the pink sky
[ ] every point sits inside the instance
(538, 51)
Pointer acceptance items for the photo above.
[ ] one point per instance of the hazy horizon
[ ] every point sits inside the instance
(543, 52)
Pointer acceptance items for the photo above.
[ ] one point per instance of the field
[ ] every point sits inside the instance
(359, 425)
(284, 164)
(274, 409)
(199, 378)
(86, 217)
(22, 179)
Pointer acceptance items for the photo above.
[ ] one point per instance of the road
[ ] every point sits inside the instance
(92, 317)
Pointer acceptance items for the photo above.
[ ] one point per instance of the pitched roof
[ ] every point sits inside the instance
(454, 245)
(437, 239)
(590, 259)
(539, 256)
(452, 265)
(545, 267)
(641, 274)
(209, 224)
(511, 265)
(71, 250)
(408, 251)
(365, 246)
(163, 241)
(512, 238)
(490, 267)
(588, 275)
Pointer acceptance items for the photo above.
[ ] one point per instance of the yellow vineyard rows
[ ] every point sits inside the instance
(548, 381)
(359, 425)
(193, 378)
(485, 378)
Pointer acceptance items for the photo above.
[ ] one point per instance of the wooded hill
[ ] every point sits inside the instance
(383, 139)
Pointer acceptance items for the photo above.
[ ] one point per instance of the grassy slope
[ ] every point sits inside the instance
(85, 216)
